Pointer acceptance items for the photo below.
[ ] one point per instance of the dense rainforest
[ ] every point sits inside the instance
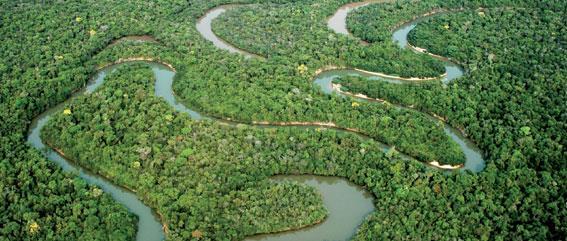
(186, 169)
(296, 30)
(213, 182)
(478, 39)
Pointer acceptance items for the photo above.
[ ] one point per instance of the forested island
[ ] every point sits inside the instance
(224, 120)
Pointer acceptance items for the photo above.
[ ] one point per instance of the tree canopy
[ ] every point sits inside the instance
(212, 182)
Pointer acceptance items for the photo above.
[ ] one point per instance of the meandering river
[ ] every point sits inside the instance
(205, 29)
(473, 156)
(149, 226)
(347, 203)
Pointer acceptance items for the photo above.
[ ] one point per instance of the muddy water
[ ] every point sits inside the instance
(205, 29)
(149, 226)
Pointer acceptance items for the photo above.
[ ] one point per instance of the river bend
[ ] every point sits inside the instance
(336, 192)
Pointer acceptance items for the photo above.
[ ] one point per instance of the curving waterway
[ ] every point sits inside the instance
(205, 29)
(149, 226)
(346, 203)
(473, 156)
(337, 22)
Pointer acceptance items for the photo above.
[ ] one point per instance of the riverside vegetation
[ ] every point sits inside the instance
(210, 181)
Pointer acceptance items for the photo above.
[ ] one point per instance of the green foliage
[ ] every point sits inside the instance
(298, 31)
(288, 95)
(42, 57)
(517, 75)
(213, 178)
(509, 102)
(61, 206)
(516, 82)
(375, 22)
